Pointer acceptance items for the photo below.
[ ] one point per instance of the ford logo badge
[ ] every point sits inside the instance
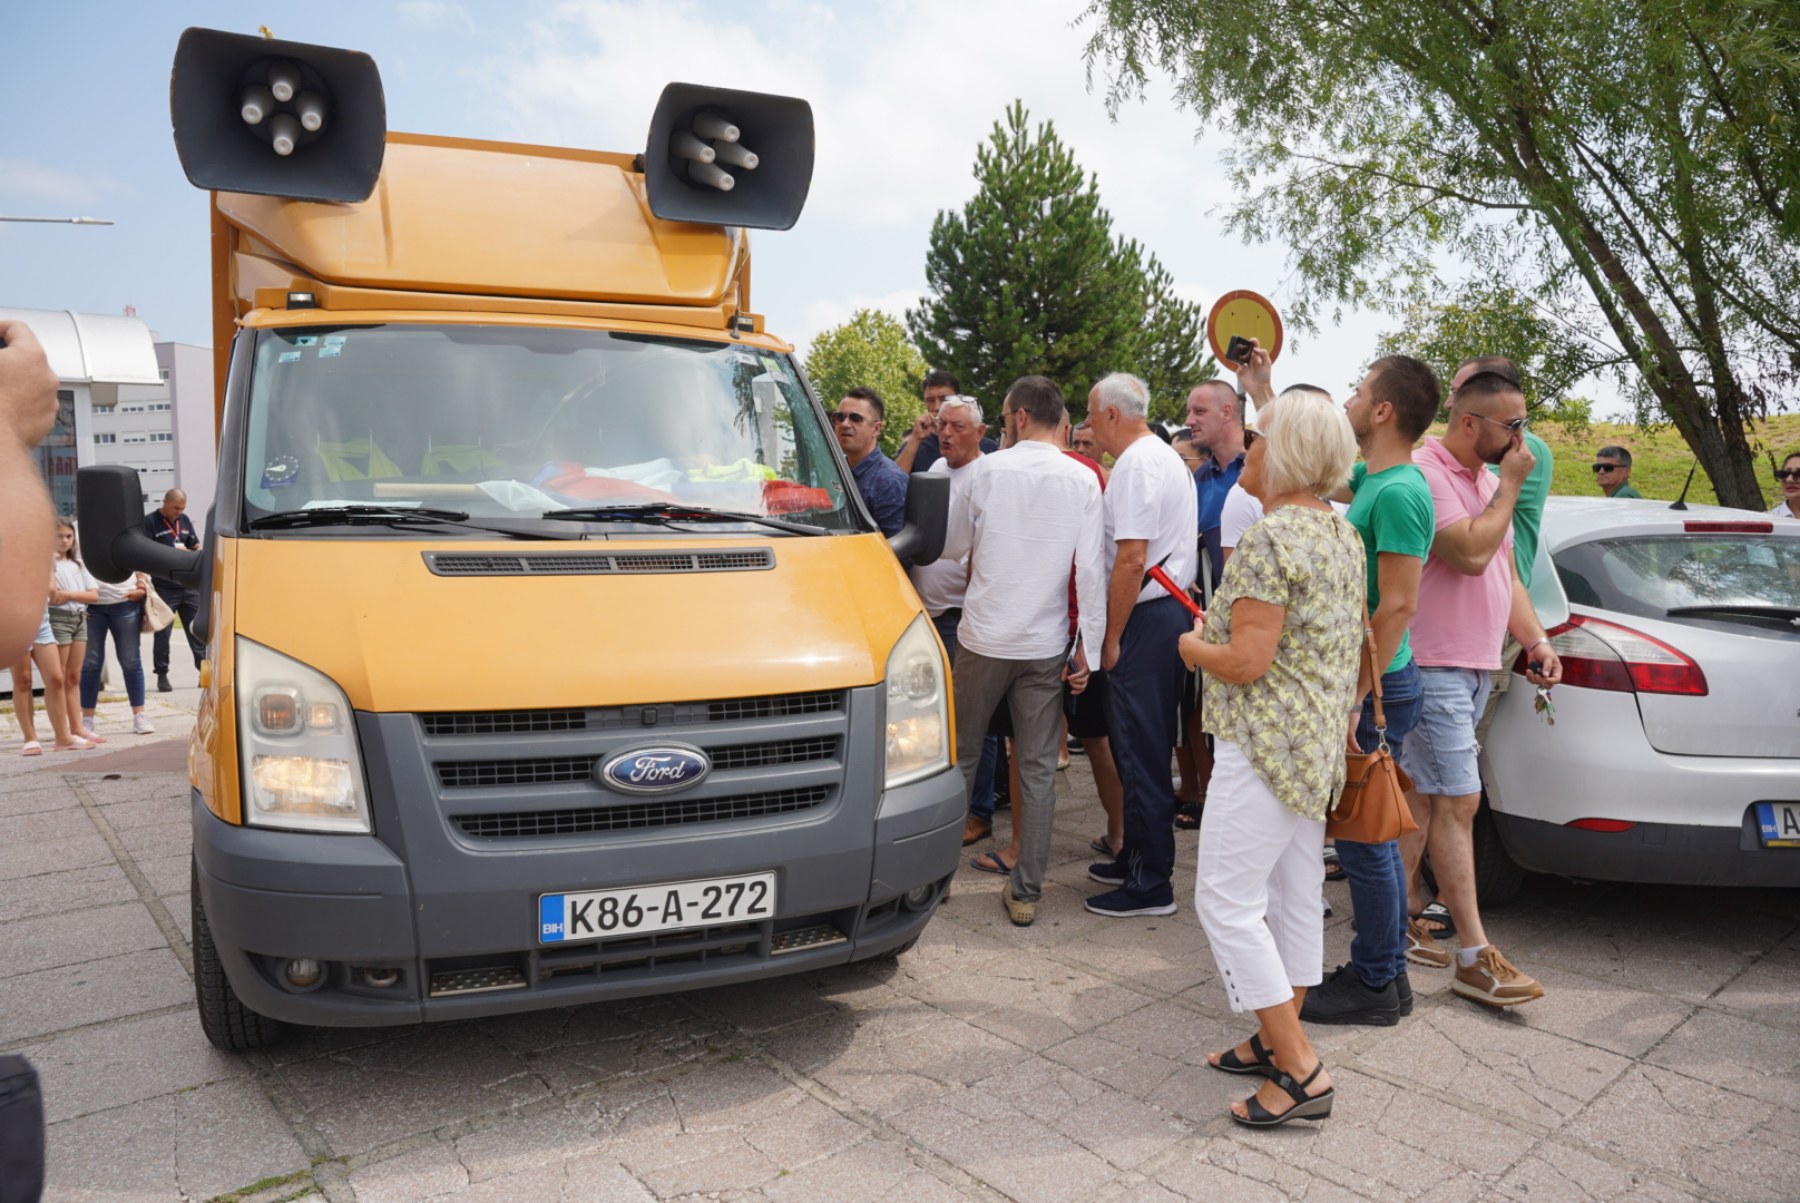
(660, 770)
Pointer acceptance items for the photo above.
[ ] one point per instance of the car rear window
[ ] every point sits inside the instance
(1650, 575)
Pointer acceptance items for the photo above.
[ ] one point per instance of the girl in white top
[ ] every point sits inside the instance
(46, 656)
(72, 587)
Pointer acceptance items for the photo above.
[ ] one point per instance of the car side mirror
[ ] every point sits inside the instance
(109, 511)
(921, 539)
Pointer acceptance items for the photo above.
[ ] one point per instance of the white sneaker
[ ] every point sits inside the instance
(87, 724)
(141, 724)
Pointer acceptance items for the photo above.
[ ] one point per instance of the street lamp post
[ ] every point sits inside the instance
(65, 221)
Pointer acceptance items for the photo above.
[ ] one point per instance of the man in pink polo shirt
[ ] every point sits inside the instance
(1468, 598)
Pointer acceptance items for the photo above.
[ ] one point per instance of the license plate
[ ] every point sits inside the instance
(639, 910)
(1780, 823)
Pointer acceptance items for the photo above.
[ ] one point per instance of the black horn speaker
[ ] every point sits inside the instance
(277, 118)
(729, 158)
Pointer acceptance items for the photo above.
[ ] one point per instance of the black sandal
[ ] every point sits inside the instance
(1263, 1061)
(1439, 914)
(1334, 868)
(1306, 1106)
(1187, 816)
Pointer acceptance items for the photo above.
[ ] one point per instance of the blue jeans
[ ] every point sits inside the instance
(981, 801)
(126, 622)
(1376, 872)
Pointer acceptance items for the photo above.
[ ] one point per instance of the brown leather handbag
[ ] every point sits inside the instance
(1372, 809)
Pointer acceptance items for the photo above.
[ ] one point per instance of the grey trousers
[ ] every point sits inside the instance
(1032, 690)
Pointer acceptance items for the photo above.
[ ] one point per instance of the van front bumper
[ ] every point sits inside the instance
(848, 889)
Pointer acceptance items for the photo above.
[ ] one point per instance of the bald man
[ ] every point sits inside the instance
(169, 525)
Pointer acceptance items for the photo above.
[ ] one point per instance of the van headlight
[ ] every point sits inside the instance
(918, 707)
(301, 766)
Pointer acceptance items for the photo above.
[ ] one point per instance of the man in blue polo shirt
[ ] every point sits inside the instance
(858, 423)
(1216, 416)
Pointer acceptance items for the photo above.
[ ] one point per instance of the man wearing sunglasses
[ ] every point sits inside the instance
(1612, 472)
(858, 422)
(1469, 598)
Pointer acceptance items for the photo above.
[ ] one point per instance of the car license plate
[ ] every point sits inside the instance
(639, 910)
(1780, 823)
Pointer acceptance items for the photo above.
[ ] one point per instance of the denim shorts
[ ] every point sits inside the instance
(1440, 755)
(44, 633)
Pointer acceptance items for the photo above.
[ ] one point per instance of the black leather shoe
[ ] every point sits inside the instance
(162, 683)
(1345, 998)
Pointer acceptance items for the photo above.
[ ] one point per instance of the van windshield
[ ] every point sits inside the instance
(516, 421)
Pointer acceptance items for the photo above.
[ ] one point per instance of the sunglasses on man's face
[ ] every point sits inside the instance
(1599, 468)
(845, 415)
(1788, 474)
(1516, 426)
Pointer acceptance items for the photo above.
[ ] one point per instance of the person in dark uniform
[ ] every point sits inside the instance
(169, 525)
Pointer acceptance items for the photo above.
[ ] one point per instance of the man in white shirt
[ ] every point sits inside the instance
(1022, 516)
(942, 584)
(1151, 516)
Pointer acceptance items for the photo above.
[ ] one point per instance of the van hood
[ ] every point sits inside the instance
(398, 637)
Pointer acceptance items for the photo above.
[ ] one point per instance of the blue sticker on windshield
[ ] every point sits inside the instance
(288, 357)
(280, 472)
(307, 340)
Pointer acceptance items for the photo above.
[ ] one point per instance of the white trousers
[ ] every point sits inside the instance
(1260, 877)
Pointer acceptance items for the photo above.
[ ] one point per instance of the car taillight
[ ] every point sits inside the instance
(1597, 654)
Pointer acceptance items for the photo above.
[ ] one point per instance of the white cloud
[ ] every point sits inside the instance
(27, 180)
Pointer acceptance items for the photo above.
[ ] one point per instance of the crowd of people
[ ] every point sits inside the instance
(1063, 598)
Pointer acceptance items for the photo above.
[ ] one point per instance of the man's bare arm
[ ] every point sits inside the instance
(1121, 594)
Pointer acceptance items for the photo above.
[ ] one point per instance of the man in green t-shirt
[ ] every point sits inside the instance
(1391, 508)
(1612, 472)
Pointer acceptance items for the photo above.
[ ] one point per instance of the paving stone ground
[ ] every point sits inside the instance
(1060, 1062)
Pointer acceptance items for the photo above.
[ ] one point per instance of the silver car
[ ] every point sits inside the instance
(1674, 756)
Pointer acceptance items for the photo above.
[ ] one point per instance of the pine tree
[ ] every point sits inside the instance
(1029, 278)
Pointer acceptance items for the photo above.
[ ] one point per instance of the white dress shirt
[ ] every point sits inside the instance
(1150, 496)
(1023, 515)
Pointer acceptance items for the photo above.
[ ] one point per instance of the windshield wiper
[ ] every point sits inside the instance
(389, 515)
(1764, 613)
(661, 514)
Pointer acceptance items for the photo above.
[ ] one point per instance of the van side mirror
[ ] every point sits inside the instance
(921, 540)
(109, 512)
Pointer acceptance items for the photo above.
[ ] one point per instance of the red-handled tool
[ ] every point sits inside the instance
(1162, 578)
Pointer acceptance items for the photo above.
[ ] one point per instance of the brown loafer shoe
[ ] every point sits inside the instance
(975, 830)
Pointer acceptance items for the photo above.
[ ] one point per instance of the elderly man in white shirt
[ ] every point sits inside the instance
(1151, 516)
(1022, 516)
(943, 583)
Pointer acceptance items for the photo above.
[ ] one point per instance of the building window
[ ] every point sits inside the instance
(106, 438)
(161, 437)
(164, 373)
(104, 407)
(158, 407)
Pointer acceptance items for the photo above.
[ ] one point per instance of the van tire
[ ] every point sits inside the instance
(227, 1022)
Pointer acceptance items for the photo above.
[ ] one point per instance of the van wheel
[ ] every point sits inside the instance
(227, 1022)
(1498, 878)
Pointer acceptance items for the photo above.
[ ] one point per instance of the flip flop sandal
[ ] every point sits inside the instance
(1099, 844)
(991, 862)
(1439, 914)
(32, 748)
(1187, 816)
(1306, 1106)
(1334, 868)
(1262, 1060)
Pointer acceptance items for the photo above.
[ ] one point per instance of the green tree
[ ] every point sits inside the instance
(1496, 319)
(1029, 278)
(1632, 163)
(870, 350)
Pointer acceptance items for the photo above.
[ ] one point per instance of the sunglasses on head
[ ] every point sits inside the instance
(845, 415)
(1788, 474)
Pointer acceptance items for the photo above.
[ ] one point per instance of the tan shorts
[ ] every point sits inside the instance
(68, 626)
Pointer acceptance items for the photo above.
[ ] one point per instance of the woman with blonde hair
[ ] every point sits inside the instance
(59, 702)
(72, 589)
(1279, 650)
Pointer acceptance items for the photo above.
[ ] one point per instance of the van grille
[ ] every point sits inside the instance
(587, 563)
(670, 813)
(557, 770)
(614, 718)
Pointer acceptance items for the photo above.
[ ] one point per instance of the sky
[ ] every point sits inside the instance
(903, 92)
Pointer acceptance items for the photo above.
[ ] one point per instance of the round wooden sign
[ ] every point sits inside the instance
(1247, 315)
